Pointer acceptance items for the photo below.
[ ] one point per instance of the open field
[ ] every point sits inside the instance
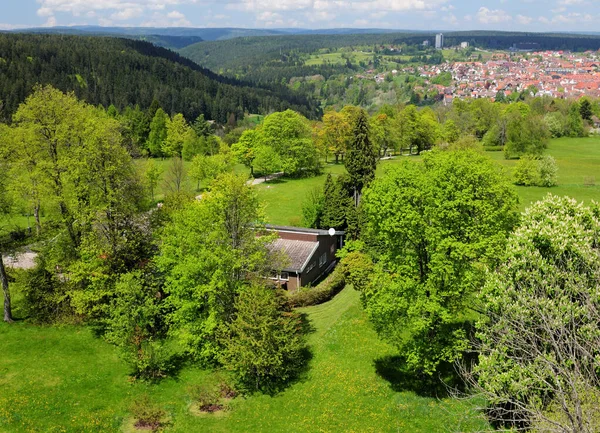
(63, 379)
(578, 161)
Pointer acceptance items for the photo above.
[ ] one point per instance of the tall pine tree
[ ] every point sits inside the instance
(361, 158)
(335, 202)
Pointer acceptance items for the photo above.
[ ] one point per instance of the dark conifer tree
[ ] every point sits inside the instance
(361, 158)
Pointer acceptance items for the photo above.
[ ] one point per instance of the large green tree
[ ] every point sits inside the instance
(208, 253)
(432, 228)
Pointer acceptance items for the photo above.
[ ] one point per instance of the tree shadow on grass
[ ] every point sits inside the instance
(440, 384)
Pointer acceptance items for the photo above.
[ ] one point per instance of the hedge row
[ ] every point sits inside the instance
(323, 292)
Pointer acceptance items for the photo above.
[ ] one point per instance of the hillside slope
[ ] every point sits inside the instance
(123, 72)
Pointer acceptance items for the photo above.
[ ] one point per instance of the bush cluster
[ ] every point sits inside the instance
(531, 171)
(323, 292)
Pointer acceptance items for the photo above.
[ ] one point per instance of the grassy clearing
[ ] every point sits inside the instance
(578, 161)
(62, 379)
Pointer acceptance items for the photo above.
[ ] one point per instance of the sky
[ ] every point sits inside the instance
(518, 15)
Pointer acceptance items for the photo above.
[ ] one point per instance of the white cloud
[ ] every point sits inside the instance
(492, 16)
(172, 19)
(107, 11)
(522, 19)
(127, 14)
(51, 22)
(450, 19)
(378, 15)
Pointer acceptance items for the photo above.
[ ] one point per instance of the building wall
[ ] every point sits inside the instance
(327, 245)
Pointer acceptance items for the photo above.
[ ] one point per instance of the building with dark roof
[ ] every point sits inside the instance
(310, 254)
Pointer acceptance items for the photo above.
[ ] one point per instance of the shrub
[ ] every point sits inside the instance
(149, 361)
(526, 171)
(147, 414)
(207, 397)
(210, 395)
(531, 171)
(264, 344)
(548, 170)
(45, 300)
(323, 292)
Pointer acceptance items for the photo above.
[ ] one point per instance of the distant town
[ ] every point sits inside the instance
(558, 74)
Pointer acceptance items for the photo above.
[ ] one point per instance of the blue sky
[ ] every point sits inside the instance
(524, 15)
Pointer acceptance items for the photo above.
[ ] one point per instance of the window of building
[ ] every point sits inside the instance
(284, 276)
(322, 259)
(311, 267)
(332, 249)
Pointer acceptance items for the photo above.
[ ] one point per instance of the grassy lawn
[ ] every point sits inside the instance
(62, 379)
(577, 159)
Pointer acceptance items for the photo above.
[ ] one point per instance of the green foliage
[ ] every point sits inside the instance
(357, 268)
(527, 171)
(539, 336)
(127, 73)
(433, 228)
(532, 171)
(158, 133)
(45, 299)
(585, 109)
(208, 168)
(178, 132)
(335, 204)
(361, 158)
(266, 161)
(525, 135)
(322, 292)
(290, 136)
(263, 344)
(137, 324)
(548, 170)
(152, 175)
(555, 122)
(244, 149)
(312, 208)
(575, 126)
(208, 251)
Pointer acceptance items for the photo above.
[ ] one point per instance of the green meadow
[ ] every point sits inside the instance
(63, 379)
(578, 162)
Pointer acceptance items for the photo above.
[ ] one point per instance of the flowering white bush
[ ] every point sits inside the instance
(539, 342)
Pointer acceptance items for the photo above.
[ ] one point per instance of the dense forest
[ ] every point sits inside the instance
(253, 51)
(126, 73)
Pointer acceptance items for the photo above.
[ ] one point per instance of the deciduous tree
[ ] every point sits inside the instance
(432, 228)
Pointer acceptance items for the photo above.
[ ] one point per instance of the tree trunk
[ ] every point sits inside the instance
(38, 224)
(7, 307)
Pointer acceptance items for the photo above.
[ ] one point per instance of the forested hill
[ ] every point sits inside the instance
(250, 52)
(126, 72)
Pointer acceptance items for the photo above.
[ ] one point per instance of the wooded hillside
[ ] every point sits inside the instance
(126, 73)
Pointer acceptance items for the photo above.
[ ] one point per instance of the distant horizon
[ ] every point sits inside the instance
(412, 15)
(297, 29)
